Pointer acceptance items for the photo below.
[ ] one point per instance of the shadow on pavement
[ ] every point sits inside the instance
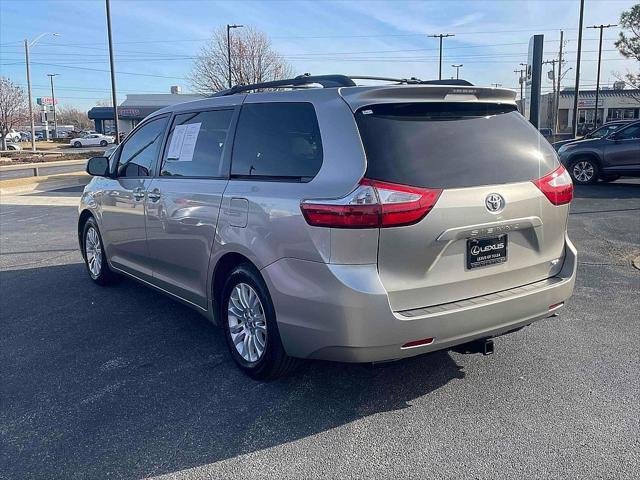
(611, 190)
(124, 382)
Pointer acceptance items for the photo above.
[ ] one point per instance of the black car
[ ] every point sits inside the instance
(599, 132)
(605, 158)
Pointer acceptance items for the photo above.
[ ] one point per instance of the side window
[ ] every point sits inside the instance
(196, 144)
(277, 141)
(629, 133)
(141, 149)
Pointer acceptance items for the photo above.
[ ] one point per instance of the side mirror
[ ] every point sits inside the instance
(98, 166)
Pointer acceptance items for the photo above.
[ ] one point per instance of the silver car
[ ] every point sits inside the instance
(349, 223)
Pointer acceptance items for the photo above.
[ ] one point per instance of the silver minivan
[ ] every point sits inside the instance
(314, 218)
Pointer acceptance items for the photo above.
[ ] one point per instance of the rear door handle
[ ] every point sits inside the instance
(138, 193)
(154, 195)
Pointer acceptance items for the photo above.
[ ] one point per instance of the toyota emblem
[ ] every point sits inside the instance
(494, 202)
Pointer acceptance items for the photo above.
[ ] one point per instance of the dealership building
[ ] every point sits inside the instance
(613, 104)
(135, 108)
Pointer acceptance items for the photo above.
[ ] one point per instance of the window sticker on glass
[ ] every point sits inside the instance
(183, 142)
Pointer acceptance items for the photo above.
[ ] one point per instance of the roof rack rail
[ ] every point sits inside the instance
(412, 80)
(332, 81)
(327, 81)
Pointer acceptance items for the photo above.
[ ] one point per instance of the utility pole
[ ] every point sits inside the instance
(524, 82)
(113, 75)
(229, 27)
(53, 100)
(458, 67)
(521, 81)
(601, 27)
(557, 106)
(27, 47)
(441, 36)
(577, 89)
(551, 108)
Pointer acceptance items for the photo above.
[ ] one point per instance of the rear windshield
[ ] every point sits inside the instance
(452, 145)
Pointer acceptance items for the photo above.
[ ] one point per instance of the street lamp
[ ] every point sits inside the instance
(53, 101)
(458, 67)
(28, 45)
(229, 27)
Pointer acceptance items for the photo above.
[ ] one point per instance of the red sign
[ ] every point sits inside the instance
(45, 101)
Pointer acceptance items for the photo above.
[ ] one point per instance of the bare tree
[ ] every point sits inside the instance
(628, 43)
(13, 108)
(103, 102)
(68, 115)
(253, 60)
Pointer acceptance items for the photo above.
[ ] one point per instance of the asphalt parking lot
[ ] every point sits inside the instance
(123, 382)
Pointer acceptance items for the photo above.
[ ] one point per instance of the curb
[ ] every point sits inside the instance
(17, 186)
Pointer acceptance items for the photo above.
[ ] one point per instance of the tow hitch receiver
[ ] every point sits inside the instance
(487, 346)
(482, 345)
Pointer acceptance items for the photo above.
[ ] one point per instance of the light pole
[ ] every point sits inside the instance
(113, 75)
(53, 101)
(229, 27)
(27, 46)
(601, 27)
(521, 82)
(441, 36)
(577, 88)
(458, 67)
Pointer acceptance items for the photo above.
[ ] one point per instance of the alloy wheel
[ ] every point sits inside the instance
(93, 252)
(247, 322)
(583, 171)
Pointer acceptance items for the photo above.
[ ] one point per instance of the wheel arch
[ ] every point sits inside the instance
(223, 267)
(590, 155)
(82, 220)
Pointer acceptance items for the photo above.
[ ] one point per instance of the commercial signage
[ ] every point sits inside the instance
(128, 112)
(45, 101)
(589, 103)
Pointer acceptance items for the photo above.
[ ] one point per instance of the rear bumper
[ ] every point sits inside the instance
(341, 312)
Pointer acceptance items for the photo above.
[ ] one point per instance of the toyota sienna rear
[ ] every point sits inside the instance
(348, 223)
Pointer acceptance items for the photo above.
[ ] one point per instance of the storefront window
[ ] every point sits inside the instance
(622, 113)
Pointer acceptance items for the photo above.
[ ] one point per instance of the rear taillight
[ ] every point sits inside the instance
(557, 186)
(372, 204)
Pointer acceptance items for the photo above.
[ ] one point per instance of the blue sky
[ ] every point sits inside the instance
(156, 40)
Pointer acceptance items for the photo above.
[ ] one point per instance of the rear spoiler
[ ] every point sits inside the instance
(357, 97)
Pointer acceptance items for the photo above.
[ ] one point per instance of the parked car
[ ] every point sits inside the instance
(13, 136)
(13, 146)
(599, 132)
(605, 158)
(546, 132)
(91, 140)
(338, 223)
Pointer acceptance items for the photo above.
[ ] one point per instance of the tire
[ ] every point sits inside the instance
(77, 144)
(584, 171)
(94, 255)
(103, 143)
(609, 178)
(259, 327)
